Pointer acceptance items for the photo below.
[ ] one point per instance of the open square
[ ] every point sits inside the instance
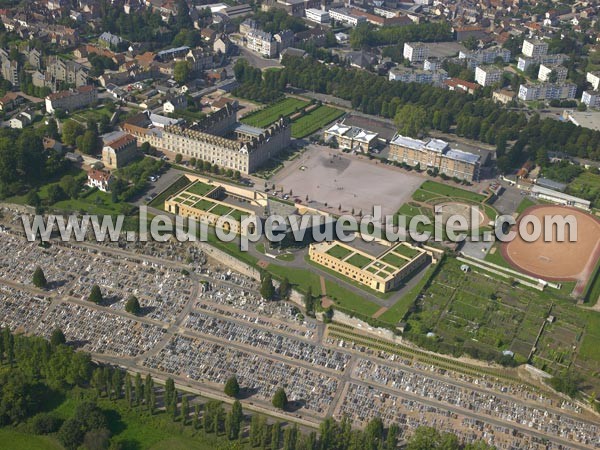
(328, 176)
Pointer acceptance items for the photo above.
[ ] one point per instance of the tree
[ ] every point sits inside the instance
(235, 418)
(182, 71)
(55, 194)
(71, 433)
(96, 439)
(178, 158)
(44, 423)
(95, 295)
(70, 185)
(88, 142)
(232, 387)
(267, 290)
(309, 302)
(132, 305)
(57, 338)
(284, 289)
(39, 279)
(280, 399)
(70, 131)
(411, 120)
(185, 409)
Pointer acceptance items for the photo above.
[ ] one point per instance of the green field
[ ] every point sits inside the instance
(339, 252)
(272, 113)
(406, 251)
(348, 300)
(358, 260)
(200, 188)
(525, 203)
(203, 205)
(314, 121)
(394, 260)
(432, 189)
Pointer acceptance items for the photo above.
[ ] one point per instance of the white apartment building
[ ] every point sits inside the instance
(317, 15)
(545, 72)
(547, 91)
(345, 16)
(72, 99)
(408, 75)
(534, 48)
(524, 62)
(485, 56)
(591, 99)
(488, 75)
(594, 79)
(415, 52)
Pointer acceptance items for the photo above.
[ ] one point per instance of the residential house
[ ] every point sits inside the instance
(100, 179)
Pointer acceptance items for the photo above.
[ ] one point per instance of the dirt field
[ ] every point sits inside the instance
(559, 261)
(332, 177)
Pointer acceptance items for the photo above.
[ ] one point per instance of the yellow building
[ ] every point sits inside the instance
(206, 201)
(381, 272)
(435, 154)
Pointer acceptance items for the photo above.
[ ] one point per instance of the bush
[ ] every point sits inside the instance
(44, 423)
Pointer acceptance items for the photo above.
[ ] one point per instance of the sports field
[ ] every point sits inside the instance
(554, 260)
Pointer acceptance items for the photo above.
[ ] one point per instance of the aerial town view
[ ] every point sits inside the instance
(299, 224)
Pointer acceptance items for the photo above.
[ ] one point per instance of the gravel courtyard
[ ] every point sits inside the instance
(332, 177)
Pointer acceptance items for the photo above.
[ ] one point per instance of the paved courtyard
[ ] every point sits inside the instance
(333, 177)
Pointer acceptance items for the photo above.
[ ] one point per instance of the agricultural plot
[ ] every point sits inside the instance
(314, 121)
(272, 113)
(482, 316)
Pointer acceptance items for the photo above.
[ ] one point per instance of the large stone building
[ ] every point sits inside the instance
(72, 99)
(380, 267)
(119, 152)
(221, 140)
(435, 154)
(351, 138)
(218, 205)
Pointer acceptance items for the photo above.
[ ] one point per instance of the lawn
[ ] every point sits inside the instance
(220, 210)
(432, 189)
(358, 260)
(203, 205)
(96, 202)
(20, 440)
(314, 121)
(200, 188)
(406, 251)
(525, 203)
(339, 252)
(300, 279)
(272, 113)
(349, 300)
(394, 260)
(397, 312)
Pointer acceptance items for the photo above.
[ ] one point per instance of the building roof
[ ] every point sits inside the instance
(551, 184)
(101, 176)
(561, 195)
(121, 142)
(407, 142)
(459, 155)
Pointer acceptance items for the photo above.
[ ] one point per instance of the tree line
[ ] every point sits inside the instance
(35, 372)
(473, 116)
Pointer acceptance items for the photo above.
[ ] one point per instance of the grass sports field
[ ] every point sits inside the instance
(314, 121)
(270, 114)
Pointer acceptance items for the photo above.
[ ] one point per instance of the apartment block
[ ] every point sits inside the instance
(488, 75)
(415, 52)
(534, 48)
(547, 70)
(591, 99)
(547, 91)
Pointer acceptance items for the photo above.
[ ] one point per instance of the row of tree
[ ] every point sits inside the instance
(472, 116)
